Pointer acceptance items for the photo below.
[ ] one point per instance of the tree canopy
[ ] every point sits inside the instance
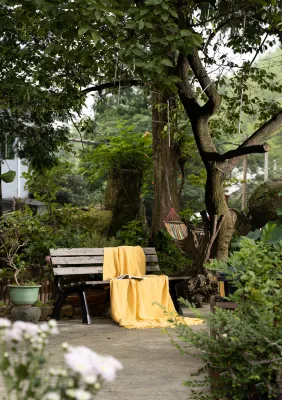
(183, 50)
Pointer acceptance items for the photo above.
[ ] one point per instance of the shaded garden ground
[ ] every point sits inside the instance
(153, 368)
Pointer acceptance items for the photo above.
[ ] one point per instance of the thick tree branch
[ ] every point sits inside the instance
(240, 151)
(110, 85)
(198, 119)
(259, 136)
(206, 84)
(265, 131)
(185, 87)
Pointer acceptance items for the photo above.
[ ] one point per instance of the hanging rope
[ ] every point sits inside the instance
(116, 68)
(119, 89)
(168, 123)
(242, 89)
(173, 224)
(168, 188)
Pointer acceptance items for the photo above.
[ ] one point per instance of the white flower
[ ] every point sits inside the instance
(20, 330)
(108, 368)
(65, 346)
(44, 327)
(52, 323)
(53, 371)
(52, 396)
(58, 372)
(4, 323)
(26, 327)
(82, 360)
(13, 335)
(79, 394)
(87, 363)
(89, 379)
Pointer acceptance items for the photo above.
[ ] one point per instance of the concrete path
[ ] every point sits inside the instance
(153, 368)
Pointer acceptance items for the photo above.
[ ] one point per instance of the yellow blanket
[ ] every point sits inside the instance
(132, 300)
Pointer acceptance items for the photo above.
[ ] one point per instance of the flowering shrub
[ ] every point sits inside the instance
(27, 375)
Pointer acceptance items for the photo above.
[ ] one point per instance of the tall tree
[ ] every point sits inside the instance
(180, 47)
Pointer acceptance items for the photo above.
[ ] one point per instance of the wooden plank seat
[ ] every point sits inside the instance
(78, 269)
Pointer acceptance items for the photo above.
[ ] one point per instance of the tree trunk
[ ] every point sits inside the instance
(1, 196)
(126, 202)
(216, 205)
(165, 159)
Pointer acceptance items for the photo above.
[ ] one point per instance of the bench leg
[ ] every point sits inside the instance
(86, 319)
(58, 305)
(174, 296)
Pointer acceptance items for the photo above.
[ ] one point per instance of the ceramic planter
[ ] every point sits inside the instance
(23, 295)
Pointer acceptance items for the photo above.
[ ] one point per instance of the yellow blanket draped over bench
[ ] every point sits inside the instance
(132, 300)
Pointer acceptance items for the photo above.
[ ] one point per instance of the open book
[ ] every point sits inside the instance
(127, 276)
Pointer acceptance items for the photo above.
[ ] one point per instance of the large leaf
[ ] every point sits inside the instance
(267, 230)
(276, 235)
(255, 235)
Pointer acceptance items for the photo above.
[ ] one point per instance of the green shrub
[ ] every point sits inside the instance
(133, 234)
(243, 359)
(171, 260)
(66, 227)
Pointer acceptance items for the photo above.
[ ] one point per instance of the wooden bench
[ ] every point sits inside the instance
(70, 266)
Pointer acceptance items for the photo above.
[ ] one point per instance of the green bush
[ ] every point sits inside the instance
(171, 260)
(243, 359)
(133, 234)
(66, 227)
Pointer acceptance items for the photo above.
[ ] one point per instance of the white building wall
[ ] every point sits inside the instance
(15, 188)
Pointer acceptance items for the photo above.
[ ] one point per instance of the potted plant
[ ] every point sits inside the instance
(13, 243)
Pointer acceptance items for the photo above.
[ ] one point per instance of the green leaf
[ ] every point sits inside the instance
(185, 32)
(141, 25)
(131, 24)
(144, 11)
(82, 31)
(154, 39)
(255, 235)
(276, 235)
(140, 63)
(111, 19)
(173, 12)
(170, 38)
(197, 39)
(167, 62)
(164, 16)
(137, 52)
(95, 36)
(149, 25)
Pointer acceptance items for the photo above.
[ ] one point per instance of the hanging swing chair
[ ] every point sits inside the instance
(177, 230)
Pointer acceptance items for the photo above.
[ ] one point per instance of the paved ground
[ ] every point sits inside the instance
(153, 368)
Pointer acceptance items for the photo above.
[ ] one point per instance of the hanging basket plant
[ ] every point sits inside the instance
(8, 177)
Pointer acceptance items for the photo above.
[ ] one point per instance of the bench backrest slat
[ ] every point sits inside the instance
(89, 252)
(86, 261)
(83, 260)
(91, 270)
